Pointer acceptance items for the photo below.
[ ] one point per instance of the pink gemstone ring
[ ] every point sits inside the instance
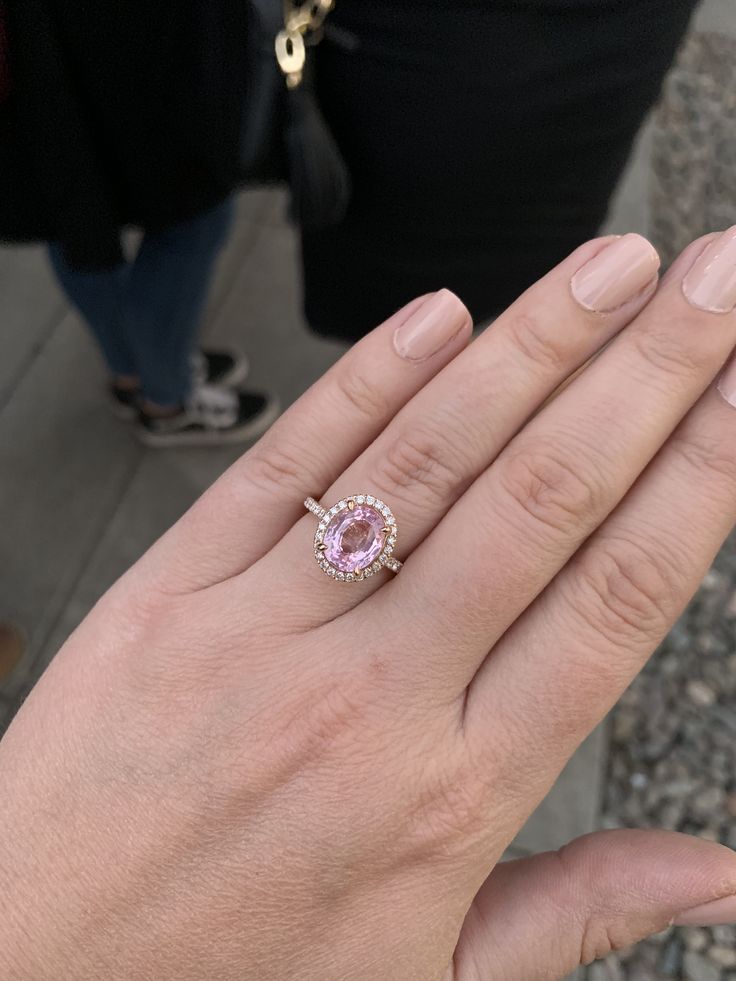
(355, 539)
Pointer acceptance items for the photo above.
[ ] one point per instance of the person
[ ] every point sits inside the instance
(239, 767)
(128, 114)
(483, 142)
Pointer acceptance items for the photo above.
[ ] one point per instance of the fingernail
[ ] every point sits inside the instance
(711, 283)
(720, 912)
(623, 269)
(440, 318)
(727, 383)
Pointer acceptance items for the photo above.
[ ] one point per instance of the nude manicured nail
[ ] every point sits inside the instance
(440, 318)
(711, 283)
(620, 271)
(727, 383)
(722, 911)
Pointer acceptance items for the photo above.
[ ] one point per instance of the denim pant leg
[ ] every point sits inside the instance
(98, 297)
(165, 296)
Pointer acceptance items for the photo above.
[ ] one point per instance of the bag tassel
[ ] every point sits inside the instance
(319, 177)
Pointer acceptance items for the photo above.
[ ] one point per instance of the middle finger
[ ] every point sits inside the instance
(564, 473)
(450, 432)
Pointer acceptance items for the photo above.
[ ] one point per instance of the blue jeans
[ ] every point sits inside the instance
(146, 314)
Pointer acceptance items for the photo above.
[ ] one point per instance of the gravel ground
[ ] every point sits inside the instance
(673, 736)
(673, 765)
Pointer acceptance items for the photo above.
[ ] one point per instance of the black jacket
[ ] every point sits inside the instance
(119, 111)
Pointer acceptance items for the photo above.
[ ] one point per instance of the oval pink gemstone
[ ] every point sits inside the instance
(354, 539)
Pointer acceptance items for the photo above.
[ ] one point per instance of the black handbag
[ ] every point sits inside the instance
(284, 135)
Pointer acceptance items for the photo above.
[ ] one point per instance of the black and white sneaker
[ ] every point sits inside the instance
(212, 417)
(220, 368)
(223, 368)
(124, 401)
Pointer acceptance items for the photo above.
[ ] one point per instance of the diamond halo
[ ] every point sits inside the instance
(355, 539)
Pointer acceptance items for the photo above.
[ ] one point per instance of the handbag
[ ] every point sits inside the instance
(284, 135)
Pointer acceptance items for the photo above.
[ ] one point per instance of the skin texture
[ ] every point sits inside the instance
(238, 768)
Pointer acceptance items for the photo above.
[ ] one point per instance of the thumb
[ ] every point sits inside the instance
(537, 919)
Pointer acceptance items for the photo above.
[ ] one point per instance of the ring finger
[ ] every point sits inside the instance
(458, 423)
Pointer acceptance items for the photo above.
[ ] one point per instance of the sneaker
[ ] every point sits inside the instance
(208, 368)
(212, 417)
(124, 402)
(219, 368)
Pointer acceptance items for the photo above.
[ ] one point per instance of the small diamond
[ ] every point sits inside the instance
(392, 520)
(341, 576)
(388, 549)
(342, 505)
(376, 567)
(350, 577)
(368, 572)
(360, 500)
(370, 500)
(330, 571)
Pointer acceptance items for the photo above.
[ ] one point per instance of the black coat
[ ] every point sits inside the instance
(119, 112)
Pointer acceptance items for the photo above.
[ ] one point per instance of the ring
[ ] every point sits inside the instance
(355, 539)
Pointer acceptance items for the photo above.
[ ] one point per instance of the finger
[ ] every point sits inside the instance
(259, 498)
(555, 483)
(694, 249)
(578, 647)
(537, 919)
(452, 429)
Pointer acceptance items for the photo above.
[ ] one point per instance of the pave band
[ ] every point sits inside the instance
(355, 539)
(311, 505)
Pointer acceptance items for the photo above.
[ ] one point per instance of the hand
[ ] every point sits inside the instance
(240, 768)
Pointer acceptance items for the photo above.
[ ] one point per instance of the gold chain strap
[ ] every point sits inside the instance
(302, 22)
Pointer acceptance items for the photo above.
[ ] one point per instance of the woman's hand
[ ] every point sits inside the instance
(240, 768)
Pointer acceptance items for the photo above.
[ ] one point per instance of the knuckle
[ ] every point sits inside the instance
(272, 464)
(707, 455)
(314, 723)
(601, 937)
(599, 929)
(449, 811)
(420, 458)
(541, 482)
(357, 392)
(546, 349)
(142, 600)
(674, 353)
(626, 590)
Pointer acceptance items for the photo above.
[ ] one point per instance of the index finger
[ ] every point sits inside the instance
(260, 497)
